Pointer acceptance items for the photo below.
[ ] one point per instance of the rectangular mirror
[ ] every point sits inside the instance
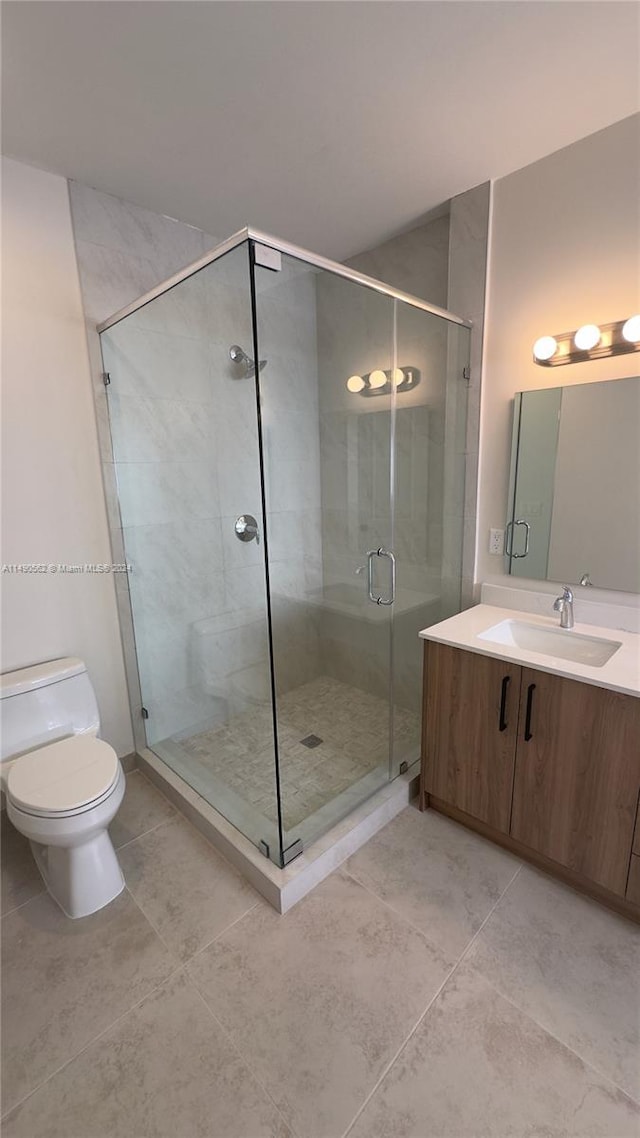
(574, 495)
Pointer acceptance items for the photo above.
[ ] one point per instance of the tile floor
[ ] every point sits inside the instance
(352, 724)
(431, 987)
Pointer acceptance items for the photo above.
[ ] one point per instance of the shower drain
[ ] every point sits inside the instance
(311, 741)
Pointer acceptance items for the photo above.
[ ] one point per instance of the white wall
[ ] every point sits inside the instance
(52, 495)
(564, 252)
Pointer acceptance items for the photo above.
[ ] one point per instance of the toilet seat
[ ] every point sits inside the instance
(65, 778)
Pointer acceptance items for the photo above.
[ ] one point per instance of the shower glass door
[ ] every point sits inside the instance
(363, 413)
(428, 446)
(327, 471)
(184, 429)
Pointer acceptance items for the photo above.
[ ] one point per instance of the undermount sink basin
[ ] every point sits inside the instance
(559, 642)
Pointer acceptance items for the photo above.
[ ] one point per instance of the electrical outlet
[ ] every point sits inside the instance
(496, 541)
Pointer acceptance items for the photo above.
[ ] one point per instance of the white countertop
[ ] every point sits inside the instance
(620, 673)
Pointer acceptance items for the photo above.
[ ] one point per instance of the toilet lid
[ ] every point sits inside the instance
(63, 777)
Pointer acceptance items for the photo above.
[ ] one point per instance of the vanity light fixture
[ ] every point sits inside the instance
(377, 378)
(589, 342)
(379, 382)
(631, 330)
(587, 337)
(545, 348)
(355, 383)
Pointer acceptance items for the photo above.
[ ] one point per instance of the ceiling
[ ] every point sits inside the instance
(332, 125)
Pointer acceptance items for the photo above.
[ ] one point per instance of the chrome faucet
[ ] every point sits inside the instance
(564, 605)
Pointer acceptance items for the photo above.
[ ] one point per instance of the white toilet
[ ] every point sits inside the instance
(63, 785)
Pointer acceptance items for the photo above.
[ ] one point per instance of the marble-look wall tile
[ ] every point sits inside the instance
(157, 365)
(415, 262)
(152, 493)
(107, 220)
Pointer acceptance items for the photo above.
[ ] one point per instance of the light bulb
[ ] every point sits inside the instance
(545, 348)
(355, 383)
(587, 337)
(377, 378)
(631, 329)
(398, 376)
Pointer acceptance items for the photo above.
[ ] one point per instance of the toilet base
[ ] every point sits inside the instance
(81, 879)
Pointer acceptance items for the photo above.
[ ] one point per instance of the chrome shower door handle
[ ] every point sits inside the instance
(370, 556)
(387, 553)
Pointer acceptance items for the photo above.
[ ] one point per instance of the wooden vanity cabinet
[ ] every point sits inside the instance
(553, 768)
(577, 776)
(470, 715)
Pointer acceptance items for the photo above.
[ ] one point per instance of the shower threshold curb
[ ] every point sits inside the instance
(283, 888)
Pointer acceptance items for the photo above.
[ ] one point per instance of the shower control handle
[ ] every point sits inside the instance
(246, 528)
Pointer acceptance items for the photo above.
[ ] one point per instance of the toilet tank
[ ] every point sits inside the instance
(45, 702)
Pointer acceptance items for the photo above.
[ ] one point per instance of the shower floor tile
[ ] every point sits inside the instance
(352, 724)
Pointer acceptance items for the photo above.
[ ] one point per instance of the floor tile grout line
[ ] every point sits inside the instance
(151, 924)
(175, 967)
(431, 1003)
(171, 951)
(587, 1062)
(85, 1047)
(387, 904)
(239, 1053)
(22, 904)
(407, 920)
(144, 834)
(222, 932)
(567, 1046)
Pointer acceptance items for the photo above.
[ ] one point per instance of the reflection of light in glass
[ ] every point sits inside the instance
(587, 337)
(355, 383)
(377, 378)
(398, 376)
(631, 329)
(545, 348)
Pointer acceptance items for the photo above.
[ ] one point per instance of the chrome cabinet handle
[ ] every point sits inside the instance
(370, 556)
(509, 538)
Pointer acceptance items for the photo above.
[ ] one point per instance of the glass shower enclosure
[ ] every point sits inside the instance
(288, 445)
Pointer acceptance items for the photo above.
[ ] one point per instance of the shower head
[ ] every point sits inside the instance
(239, 356)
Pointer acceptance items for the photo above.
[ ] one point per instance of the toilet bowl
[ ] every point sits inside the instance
(62, 795)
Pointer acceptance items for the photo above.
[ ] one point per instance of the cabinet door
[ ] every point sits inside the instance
(577, 774)
(469, 731)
